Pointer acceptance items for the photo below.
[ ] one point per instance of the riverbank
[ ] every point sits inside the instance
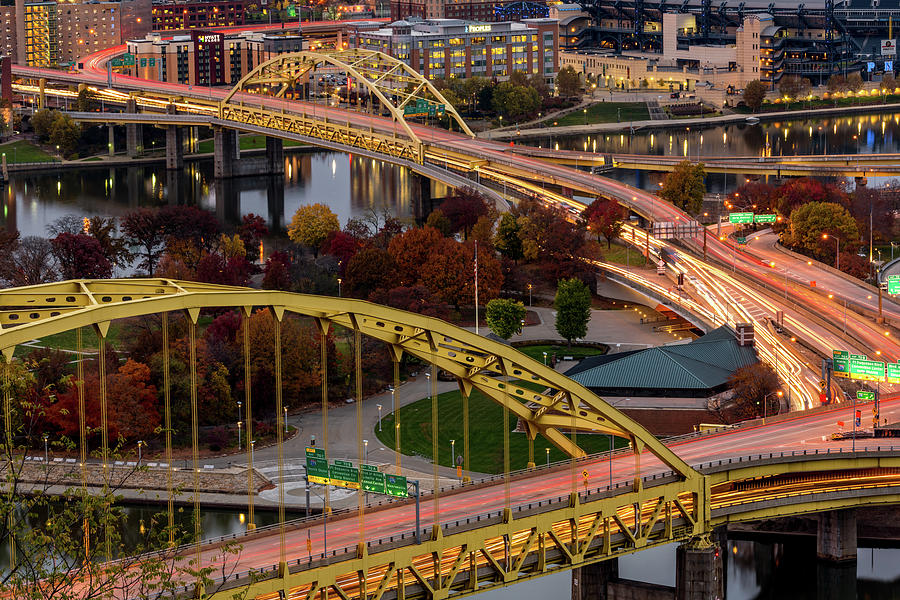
(124, 161)
(696, 122)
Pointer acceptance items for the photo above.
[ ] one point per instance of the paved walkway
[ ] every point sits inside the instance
(620, 329)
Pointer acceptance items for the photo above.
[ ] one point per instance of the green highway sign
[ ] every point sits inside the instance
(864, 395)
(765, 218)
(343, 476)
(395, 485)
(893, 373)
(868, 370)
(373, 480)
(740, 240)
(840, 366)
(893, 284)
(343, 463)
(741, 217)
(858, 357)
(316, 466)
(117, 62)
(423, 108)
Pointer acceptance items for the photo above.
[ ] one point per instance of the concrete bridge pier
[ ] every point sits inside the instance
(225, 152)
(836, 539)
(590, 582)
(698, 571)
(174, 147)
(274, 156)
(134, 133)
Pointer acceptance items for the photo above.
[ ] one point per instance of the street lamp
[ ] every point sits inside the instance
(584, 111)
(452, 452)
(529, 294)
(393, 404)
(837, 252)
(547, 450)
(366, 451)
(285, 420)
(778, 393)
(46, 452)
(239, 424)
(379, 417)
(545, 359)
(339, 287)
(140, 444)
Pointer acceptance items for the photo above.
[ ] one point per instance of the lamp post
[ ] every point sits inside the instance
(837, 252)
(778, 393)
(452, 452)
(393, 404)
(366, 451)
(545, 359)
(285, 420)
(140, 446)
(339, 287)
(46, 451)
(584, 111)
(547, 450)
(239, 424)
(379, 417)
(529, 294)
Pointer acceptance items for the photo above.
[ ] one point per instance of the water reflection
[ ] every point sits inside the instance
(350, 185)
(861, 134)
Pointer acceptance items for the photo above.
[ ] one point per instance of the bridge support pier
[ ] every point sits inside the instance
(836, 539)
(274, 156)
(226, 150)
(174, 147)
(698, 571)
(590, 581)
(134, 133)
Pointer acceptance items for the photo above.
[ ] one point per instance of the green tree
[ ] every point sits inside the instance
(811, 221)
(754, 94)
(42, 121)
(87, 100)
(573, 309)
(65, 134)
(439, 221)
(505, 317)
(568, 82)
(684, 186)
(311, 225)
(507, 240)
(515, 101)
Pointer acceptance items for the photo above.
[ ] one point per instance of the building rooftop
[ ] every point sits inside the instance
(705, 363)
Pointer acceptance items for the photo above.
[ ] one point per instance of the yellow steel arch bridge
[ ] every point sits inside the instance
(481, 536)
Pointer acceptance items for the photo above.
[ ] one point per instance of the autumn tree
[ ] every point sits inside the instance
(369, 270)
(145, 231)
(751, 387)
(65, 134)
(252, 230)
(813, 220)
(42, 122)
(794, 86)
(573, 309)
(463, 208)
(80, 257)
(412, 249)
(684, 186)
(757, 195)
(754, 94)
(507, 239)
(546, 233)
(277, 272)
(311, 225)
(29, 261)
(888, 83)
(568, 82)
(450, 275)
(836, 83)
(439, 221)
(505, 317)
(604, 216)
(855, 82)
(800, 191)
(416, 298)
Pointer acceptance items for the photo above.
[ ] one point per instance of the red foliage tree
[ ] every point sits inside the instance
(798, 192)
(277, 272)
(763, 195)
(604, 217)
(131, 400)
(253, 228)
(215, 268)
(417, 298)
(369, 270)
(343, 246)
(412, 248)
(80, 257)
(464, 208)
(450, 275)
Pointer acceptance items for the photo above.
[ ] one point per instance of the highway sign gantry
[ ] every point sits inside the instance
(740, 218)
(765, 218)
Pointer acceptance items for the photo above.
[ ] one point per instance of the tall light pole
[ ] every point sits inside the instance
(339, 287)
(547, 450)
(285, 420)
(778, 393)
(140, 445)
(837, 252)
(452, 452)
(379, 417)
(366, 451)
(393, 404)
(46, 451)
(239, 424)
(529, 294)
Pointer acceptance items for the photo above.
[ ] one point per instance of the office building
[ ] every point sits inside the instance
(469, 10)
(8, 44)
(445, 48)
(169, 16)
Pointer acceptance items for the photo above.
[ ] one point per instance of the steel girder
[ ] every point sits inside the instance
(477, 362)
(394, 83)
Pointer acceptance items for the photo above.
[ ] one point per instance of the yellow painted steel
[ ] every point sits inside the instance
(476, 361)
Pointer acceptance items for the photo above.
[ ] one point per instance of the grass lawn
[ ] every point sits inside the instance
(622, 255)
(23, 151)
(537, 352)
(485, 434)
(248, 142)
(605, 112)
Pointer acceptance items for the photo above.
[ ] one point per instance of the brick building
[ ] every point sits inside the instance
(171, 16)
